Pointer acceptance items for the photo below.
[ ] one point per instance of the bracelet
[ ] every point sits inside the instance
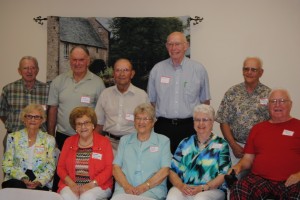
(202, 187)
(95, 183)
(148, 184)
(208, 187)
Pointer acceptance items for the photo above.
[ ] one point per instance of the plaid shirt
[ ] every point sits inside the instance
(15, 96)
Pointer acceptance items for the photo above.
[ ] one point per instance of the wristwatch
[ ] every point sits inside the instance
(95, 183)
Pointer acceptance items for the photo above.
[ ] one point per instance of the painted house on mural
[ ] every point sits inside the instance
(66, 32)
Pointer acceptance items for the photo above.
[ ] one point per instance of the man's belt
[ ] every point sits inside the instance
(116, 137)
(177, 121)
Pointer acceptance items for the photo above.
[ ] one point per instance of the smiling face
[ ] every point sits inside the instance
(28, 70)
(280, 106)
(252, 71)
(33, 120)
(79, 61)
(176, 46)
(123, 73)
(143, 123)
(84, 127)
(203, 124)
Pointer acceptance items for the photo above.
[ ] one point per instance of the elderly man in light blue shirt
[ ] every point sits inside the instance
(176, 85)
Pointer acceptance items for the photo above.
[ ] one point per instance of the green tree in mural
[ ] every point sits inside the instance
(142, 40)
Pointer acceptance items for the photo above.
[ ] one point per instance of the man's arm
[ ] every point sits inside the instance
(238, 151)
(244, 163)
(99, 129)
(3, 119)
(51, 122)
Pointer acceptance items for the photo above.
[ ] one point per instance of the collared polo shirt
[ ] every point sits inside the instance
(68, 94)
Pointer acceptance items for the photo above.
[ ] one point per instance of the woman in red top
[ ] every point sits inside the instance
(85, 162)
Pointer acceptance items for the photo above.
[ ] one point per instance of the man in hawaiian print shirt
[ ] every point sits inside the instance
(243, 106)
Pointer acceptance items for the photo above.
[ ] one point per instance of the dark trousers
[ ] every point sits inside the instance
(175, 130)
(60, 140)
(15, 183)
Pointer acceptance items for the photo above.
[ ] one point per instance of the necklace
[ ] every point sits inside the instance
(86, 145)
(206, 141)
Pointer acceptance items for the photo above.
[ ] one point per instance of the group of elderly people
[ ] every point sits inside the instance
(87, 167)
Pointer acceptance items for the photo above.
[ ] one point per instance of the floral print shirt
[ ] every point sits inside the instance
(16, 156)
(242, 110)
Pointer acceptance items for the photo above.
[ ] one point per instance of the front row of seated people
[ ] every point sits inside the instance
(144, 161)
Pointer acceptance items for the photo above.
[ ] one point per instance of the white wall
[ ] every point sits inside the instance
(230, 31)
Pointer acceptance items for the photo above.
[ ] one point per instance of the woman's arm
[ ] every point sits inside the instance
(154, 181)
(48, 162)
(9, 166)
(122, 180)
(105, 174)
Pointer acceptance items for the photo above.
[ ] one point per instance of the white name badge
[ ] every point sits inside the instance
(217, 146)
(85, 99)
(44, 107)
(129, 117)
(153, 149)
(39, 149)
(263, 101)
(288, 133)
(165, 79)
(97, 156)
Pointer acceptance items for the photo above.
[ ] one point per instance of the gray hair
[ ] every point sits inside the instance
(145, 108)
(282, 90)
(29, 58)
(206, 109)
(260, 62)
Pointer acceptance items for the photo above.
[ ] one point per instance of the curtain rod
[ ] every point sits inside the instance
(196, 20)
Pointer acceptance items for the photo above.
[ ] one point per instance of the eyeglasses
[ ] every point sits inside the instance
(252, 69)
(280, 101)
(175, 44)
(36, 117)
(204, 120)
(29, 68)
(142, 119)
(80, 124)
(122, 70)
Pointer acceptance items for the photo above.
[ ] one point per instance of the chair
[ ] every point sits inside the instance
(27, 194)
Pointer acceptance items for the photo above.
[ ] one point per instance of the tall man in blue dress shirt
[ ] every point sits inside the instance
(176, 85)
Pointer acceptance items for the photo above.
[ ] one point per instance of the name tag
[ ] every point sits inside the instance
(97, 156)
(154, 149)
(39, 149)
(288, 133)
(85, 99)
(263, 101)
(217, 146)
(44, 107)
(165, 79)
(129, 117)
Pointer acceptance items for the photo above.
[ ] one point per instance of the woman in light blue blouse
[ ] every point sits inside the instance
(200, 161)
(29, 160)
(142, 163)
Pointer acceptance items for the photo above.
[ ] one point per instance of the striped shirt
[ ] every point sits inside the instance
(15, 96)
(82, 165)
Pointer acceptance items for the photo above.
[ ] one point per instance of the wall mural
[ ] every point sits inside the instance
(141, 40)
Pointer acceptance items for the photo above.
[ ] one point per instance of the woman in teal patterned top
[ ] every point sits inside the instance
(200, 161)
